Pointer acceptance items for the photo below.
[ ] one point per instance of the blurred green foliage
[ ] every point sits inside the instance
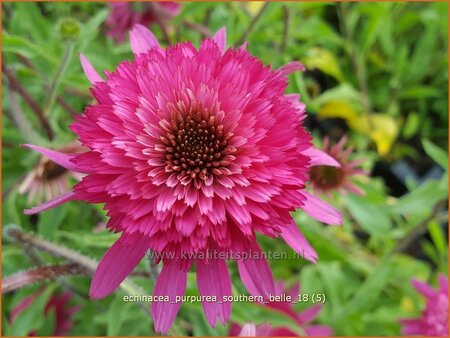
(380, 67)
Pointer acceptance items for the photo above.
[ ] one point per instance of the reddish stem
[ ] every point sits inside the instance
(34, 105)
(28, 277)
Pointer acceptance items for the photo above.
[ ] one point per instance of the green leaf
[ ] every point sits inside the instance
(421, 200)
(32, 319)
(421, 58)
(411, 125)
(28, 18)
(20, 45)
(50, 221)
(91, 28)
(420, 92)
(371, 217)
(366, 295)
(324, 60)
(437, 154)
(115, 315)
(438, 237)
(332, 277)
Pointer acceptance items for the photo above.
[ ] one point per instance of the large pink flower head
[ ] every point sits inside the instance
(124, 15)
(434, 319)
(194, 151)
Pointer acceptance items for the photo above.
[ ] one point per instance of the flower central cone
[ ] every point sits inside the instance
(195, 146)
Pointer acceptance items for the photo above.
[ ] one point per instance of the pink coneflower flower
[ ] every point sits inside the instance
(57, 303)
(434, 319)
(303, 318)
(327, 179)
(194, 151)
(48, 179)
(124, 15)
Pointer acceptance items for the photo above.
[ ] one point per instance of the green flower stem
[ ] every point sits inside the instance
(252, 24)
(58, 76)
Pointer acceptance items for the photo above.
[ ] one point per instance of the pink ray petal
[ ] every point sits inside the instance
(244, 46)
(89, 70)
(171, 282)
(354, 189)
(443, 283)
(116, 264)
(22, 306)
(291, 67)
(318, 331)
(263, 329)
(248, 330)
(309, 314)
(283, 332)
(220, 38)
(295, 239)
(319, 157)
(321, 210)
(61, 199)
(412, 327)
(252, 330)
(142, 40)
(423, 288)
(256, 274)
(213, 279)
(63, 159)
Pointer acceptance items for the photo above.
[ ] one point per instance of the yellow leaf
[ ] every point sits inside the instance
(323, 60)
(338, 109)
(254, 7)
(381, 128)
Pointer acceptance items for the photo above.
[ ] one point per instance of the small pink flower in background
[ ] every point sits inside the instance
(250, 330)
(303, 318)
(48, 179)
(434, 319)
(57, 303)
(193, 151)
(124, 15)
(327, 179)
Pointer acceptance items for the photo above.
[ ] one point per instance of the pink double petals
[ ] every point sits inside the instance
(194, 150)
(434, 318)
(124, 15)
